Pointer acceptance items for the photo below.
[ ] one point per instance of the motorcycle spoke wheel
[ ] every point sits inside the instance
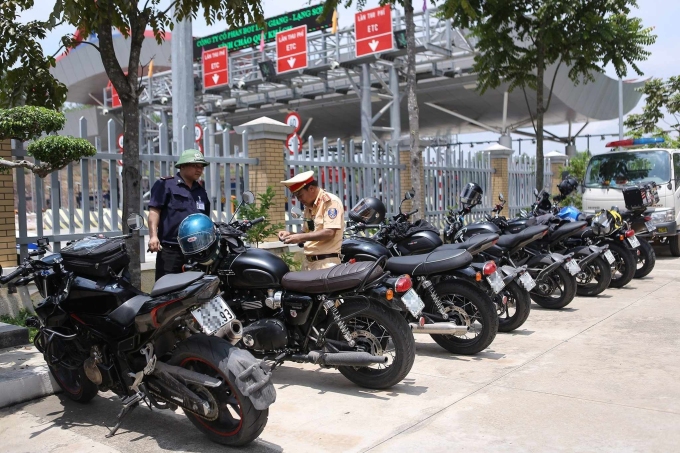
(550, 286)
(463, 312)
(372, 337)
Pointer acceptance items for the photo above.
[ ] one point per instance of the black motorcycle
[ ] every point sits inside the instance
(346, 317)
(171, 348)
(639, 220)
(458, 313)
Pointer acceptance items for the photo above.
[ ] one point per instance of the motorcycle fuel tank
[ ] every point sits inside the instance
(473, 229)
(363, 249)
(254, 268)
(420, 242)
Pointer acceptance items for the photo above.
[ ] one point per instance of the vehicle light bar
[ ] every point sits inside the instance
(635, 142)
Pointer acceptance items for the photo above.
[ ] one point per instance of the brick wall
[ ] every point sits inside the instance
(269, 172)
(8, 253)
(500, 179)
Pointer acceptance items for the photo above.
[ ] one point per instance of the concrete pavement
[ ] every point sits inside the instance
(601, 375)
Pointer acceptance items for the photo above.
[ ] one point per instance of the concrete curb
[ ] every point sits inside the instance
(11, 335)
(24, 376)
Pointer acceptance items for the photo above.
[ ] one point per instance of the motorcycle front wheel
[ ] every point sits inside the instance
(378, 331)
(237, 422)
(469, 307)
(513, 305)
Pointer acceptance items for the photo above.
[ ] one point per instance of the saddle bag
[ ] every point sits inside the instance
(95, 257)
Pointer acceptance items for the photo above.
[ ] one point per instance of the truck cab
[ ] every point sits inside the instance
(609, 173)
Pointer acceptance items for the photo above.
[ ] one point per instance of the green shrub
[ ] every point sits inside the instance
(58, 151)
(29, 122)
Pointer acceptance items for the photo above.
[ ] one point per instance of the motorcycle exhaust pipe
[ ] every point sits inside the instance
(232, 331)
(340, 358)
(439, 328)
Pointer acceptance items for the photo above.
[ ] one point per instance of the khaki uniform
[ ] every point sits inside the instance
(327, 213)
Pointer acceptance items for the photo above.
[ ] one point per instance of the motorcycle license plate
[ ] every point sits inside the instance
(413, 302)
(213, 314)
(496, 282)
(633, 241)
(650, 226)
(609, 256)
(526, 281)
(573, 267)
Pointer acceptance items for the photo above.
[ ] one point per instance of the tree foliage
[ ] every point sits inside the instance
(261, 231)
(25, 76)
(577, 168)
(517, 40)
(662, 105)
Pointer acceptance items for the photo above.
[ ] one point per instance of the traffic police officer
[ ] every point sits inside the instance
(322, 235)
(172, 199)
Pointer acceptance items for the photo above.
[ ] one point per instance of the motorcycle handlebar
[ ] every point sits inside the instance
(258, 220)
(12, 275)
(411, 213)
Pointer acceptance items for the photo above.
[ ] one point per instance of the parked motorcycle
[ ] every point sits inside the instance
(346, 317)
(171, 348)
(639, 220)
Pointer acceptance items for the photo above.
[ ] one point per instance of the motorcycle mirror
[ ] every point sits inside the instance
(410, 195)
(501, 197)
(248, 197)
(295, 213)
(135, 222)
(536, 192)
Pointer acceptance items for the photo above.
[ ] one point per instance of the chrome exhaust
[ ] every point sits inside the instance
(439, 328)
(232, 331)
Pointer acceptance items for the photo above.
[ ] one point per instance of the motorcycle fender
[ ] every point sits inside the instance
(462, 280)
(510, 273)
(253, 378)
(551, 263)
(542, 259)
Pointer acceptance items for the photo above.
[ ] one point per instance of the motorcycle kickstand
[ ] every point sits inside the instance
(278, 360)
(129, 403)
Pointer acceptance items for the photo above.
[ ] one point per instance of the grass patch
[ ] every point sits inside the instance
(20, 320)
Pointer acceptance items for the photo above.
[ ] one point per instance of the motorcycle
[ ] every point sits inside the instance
(399, 237)
(553, 273)
(639, 220)
(170, 348)
(345, 317)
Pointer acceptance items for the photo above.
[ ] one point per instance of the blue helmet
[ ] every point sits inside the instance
(198, 238)
(569, 213)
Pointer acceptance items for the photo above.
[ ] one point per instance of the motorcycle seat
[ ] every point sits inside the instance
(566, 230)
(337, 278)
(172, 282)
(474, 245)
(125, 314)
(432, 263)
(530, 234)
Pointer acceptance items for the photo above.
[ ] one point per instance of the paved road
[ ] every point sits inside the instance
(601, 374)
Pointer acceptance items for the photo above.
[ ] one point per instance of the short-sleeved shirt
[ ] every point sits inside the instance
(327, 213)
(176, 201)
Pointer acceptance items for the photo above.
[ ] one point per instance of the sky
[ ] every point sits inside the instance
(663, 62)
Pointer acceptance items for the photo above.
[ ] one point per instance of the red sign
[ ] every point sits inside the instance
(120, 142)
(120, 162)
(115, 100)
(293, 119)
(215, 68)
(198, 132)
(291, 49)
(373, 31)
(290, 142)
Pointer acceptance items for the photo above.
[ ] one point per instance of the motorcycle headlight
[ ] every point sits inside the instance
(663, 215)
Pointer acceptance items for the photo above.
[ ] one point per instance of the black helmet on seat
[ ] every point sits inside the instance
(369, 210)
(567, 186)
(471, 195)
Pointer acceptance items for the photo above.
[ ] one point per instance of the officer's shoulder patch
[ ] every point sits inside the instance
(167, 177)
(325, 198)
(332, 213)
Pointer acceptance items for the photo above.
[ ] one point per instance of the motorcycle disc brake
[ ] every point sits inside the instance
(461, 314)
(367, 339)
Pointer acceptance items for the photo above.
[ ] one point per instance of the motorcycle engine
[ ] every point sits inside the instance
(267, 334)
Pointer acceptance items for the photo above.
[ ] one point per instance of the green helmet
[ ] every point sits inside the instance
(191, 156)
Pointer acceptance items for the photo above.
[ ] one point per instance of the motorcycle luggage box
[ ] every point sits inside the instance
(95, 257)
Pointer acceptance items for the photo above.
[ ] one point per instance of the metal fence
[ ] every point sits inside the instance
(349, 171)
(57, 206)
(522, 180)
(446, 172)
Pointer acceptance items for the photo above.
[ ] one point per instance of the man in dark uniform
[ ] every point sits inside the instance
(172, 199)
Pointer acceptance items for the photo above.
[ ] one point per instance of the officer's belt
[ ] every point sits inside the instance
(322, 257)
(171, 246)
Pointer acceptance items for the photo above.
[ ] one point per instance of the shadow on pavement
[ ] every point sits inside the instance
(142, 429)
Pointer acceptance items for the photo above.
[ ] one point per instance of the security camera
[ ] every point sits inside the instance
(105, 111)
(241, 84)
(334, 64)
(218, 103)
(164, 100)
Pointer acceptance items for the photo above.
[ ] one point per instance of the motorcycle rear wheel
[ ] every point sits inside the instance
(378, 331)
(623, 269)
(467, 306)
(238, 422)
(595, 278)
(518, 302)
(646, 259)
(556, 290)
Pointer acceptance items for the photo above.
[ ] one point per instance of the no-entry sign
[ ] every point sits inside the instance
(293, 119)
(291, 50)
(215, 68)
(373, 31)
